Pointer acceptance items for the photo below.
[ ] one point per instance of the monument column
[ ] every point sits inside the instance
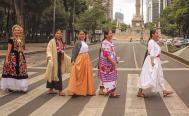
(137, 5)
(137, 22)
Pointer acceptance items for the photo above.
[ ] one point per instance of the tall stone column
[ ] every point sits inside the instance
(137, 21)
(137, 5)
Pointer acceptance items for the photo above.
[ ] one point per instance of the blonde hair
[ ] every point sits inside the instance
(19, 39)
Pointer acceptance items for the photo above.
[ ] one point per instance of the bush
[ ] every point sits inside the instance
(172, 48)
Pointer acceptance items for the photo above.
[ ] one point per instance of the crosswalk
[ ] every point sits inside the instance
(36, 102)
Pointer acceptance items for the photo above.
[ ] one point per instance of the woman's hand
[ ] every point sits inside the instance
(49, 58)
(6, 61)
(73, 63)
(153, 64)
(114, 63)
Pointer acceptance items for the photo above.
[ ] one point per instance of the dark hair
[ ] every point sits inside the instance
(106, 33)
(152, 31)
(83, 32)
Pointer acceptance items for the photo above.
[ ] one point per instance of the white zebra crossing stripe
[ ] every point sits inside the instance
(3, 93)
(95, 106)
(174, 104)
(22, 100)
(49, 108)
(134, 106)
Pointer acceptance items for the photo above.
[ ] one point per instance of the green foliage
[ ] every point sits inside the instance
(173, 18)
(149, 25)
(61, 16)
(91, 18)
(124, 27)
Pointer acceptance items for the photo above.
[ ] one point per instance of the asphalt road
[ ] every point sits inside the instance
(38, 102)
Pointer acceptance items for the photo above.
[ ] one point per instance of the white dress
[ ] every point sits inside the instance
(151, 77)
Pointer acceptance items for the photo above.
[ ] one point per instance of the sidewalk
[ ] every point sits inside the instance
(32, 48)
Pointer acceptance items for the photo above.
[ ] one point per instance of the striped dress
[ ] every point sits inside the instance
(107, 72)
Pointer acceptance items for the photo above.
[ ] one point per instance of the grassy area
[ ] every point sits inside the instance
(172, 48)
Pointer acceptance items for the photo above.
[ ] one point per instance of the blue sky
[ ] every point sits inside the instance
(127, 7)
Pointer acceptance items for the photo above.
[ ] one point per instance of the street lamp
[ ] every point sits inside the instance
(54, 13)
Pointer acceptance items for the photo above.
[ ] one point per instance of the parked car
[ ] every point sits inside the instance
(169, 41)
(179, 43)
(186, 41)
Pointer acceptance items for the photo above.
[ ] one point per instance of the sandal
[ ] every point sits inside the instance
(140, 94)
(101, 93)
(114, 95)
(167, 93)
(52, 92)
(61, 94)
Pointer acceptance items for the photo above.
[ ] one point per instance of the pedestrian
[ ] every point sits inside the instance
(146, 53)
(151, 76)
(81, 77)
(58, 63)
(107, 72)
(14, 76)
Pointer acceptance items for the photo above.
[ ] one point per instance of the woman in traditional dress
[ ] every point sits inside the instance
(81, 78)
(14, 76)
(151, 76)
(58, 63)
(107, 67)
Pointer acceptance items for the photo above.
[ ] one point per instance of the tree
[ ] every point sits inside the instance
(175, 17)
(124, 27)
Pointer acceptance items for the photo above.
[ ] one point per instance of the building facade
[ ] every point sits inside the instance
(154, 9)
(119, 17)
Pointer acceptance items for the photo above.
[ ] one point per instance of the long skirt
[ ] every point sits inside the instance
(152, 77)
(107, 74)
(81, 77)
(14, 76)
(57, 85)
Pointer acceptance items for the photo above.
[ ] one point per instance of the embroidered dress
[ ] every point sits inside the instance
(151, 77)
(107, 71)
(14, 74)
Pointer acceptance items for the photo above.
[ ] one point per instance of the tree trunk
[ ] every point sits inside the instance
(18, 4)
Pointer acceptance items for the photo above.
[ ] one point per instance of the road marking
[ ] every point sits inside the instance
(134, 106)
(174, 104)
(136, 64)
(177, 61)
(164, 62)
(139, 69)
(15, 104)
(51, 106)
(95, 106)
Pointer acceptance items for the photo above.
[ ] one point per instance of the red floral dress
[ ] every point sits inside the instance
(16, 68)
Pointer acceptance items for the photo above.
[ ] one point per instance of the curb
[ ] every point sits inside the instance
(34, 52)
(176, 58)
(180, 59)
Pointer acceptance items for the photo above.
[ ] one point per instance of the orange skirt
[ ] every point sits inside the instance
(81, 77)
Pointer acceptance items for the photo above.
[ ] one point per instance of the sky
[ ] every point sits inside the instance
(127, 7)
